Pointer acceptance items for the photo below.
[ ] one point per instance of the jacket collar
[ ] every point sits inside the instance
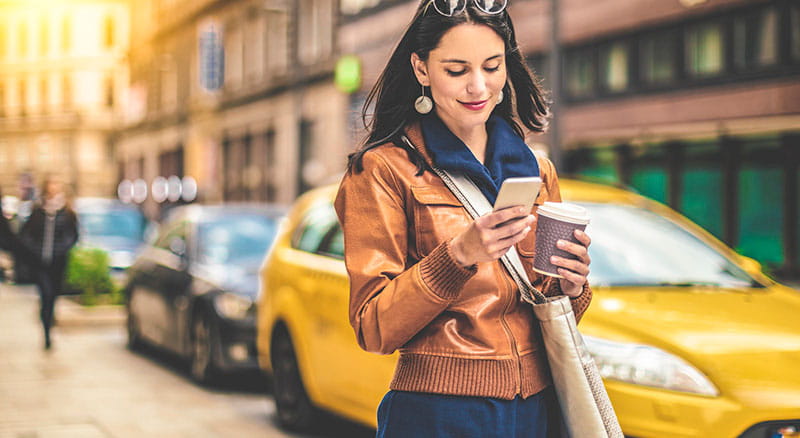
(507, 155)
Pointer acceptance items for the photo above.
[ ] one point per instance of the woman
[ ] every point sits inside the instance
(51, 230)
(425, 277)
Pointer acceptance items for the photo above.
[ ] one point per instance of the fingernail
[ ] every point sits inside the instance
(553, 259)
(561, 244)
(527, 230)
(521, 209)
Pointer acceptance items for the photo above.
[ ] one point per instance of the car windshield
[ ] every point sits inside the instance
(632, 246)
(241, 239)
(127, 224)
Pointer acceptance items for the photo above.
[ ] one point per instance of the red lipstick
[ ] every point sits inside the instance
(475, 106)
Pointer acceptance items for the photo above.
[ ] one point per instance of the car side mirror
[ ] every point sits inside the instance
(177, 246)
(750, 265)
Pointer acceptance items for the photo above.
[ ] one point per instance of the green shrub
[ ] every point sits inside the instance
(88, 271)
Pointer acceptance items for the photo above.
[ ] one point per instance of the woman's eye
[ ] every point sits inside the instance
(492, 69)
(456, 72)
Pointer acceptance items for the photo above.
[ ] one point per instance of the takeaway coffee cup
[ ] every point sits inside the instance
(557, 221)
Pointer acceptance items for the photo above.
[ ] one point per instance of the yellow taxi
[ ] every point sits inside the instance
(692, 339)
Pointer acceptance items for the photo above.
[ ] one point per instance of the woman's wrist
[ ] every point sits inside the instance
(457, 251)
(574, 292)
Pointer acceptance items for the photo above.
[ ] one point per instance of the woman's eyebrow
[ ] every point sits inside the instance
(461, 61)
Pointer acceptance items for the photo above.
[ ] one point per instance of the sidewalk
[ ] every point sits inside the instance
(90, 386)
(70, 313)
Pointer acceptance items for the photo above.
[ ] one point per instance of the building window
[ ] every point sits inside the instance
(23, 97)
(614, 67)
(3, 40)
(580, 73)
(702, 187)
(44, 37)
(755, 39)
(268, 155)
(315, 33)
(2, 99)
(171, 163)
(657, 59)
(66, 34)
(540, 66)
(704, 50)
(597, 163)
(108, 32)
(277, 47)
(234, 160)
(649, 173)
(304, 155)
(109, 91)
(254, 49)
(234, 59)
(66, 92)
(795, 31)
(22, 43)
(761, 212)
(44, 92)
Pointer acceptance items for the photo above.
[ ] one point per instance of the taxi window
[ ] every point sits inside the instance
(333, 244)
(314, 228)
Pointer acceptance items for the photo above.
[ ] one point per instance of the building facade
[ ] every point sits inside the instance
(237, 95)
(62, 82)
(695, 103)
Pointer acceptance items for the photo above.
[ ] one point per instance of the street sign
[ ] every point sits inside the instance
(347, 75)
(212, 57)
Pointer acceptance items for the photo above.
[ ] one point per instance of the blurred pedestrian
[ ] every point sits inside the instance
(425, 278)
(9, 241)
(51, 230)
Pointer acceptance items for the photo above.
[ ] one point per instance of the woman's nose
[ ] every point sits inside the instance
(477, 84)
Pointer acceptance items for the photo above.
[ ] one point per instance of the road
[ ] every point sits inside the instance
(90, 386)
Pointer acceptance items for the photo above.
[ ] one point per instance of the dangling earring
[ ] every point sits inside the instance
(500, 97)
(423, 104)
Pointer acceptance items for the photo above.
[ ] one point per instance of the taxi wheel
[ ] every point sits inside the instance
(295, 410)
(134, 337)
(201, 360)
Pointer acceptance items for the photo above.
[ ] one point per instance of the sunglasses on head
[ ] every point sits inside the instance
(448, 8)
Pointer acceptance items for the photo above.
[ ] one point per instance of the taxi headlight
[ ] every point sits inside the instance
(647, 366)
(232, 306)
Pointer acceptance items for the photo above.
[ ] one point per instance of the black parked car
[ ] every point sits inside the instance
(193, 290)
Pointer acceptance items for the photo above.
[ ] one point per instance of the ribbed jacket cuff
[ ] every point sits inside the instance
(581, 302)
(442, 274)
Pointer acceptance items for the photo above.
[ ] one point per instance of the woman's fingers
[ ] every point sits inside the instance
(499, 218)
(576, 266)
(578, 250)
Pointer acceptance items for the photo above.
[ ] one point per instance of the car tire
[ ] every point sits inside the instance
(134, 334)
(201, 355)
(294, 408)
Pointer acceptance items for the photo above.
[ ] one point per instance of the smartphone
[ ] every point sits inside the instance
(520, 191)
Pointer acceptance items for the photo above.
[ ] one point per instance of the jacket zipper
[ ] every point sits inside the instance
(511, 338)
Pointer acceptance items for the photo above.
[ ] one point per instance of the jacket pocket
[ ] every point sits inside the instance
(438, 216)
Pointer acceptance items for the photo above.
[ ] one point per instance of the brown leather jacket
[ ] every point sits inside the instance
(459, 331)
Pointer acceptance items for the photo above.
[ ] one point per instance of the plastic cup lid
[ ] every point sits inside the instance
(565, 212)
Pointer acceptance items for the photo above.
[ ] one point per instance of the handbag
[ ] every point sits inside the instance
(585, 406)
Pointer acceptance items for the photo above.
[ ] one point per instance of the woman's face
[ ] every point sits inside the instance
(465, 72)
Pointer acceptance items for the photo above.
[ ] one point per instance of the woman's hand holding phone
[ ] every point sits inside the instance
(490, 236)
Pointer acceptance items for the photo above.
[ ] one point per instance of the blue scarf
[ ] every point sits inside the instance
(507, 155)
